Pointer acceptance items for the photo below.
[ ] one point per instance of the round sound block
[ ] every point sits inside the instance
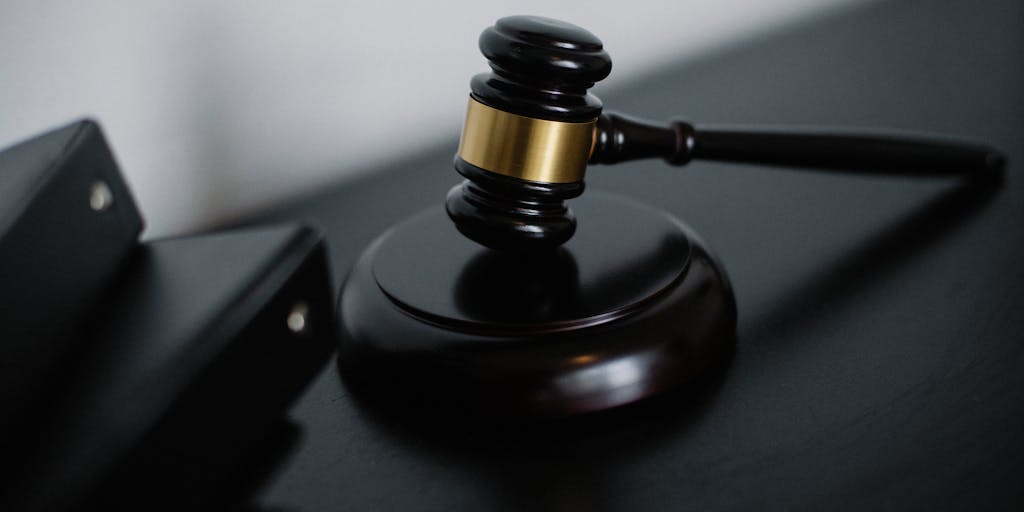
(632, 306)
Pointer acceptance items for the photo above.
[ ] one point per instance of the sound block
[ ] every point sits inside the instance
(633, 305)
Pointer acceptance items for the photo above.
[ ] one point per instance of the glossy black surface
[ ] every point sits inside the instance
(879, 338)
(632, 307)
(624, 254)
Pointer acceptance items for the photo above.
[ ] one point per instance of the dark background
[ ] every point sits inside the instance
(879, 351)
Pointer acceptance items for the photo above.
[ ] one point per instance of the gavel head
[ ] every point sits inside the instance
(528, 134)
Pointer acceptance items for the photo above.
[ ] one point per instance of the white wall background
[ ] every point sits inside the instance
(215, 107)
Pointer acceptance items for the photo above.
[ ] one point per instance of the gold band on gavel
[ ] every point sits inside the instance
(524, 147)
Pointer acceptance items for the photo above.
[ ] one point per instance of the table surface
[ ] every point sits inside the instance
(880, 348)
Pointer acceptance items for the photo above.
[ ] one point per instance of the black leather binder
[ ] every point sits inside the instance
(192, 360)
(67, 221)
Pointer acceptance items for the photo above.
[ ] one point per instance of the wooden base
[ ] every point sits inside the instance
(632, 306)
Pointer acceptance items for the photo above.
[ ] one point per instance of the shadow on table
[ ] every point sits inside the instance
(876, 260)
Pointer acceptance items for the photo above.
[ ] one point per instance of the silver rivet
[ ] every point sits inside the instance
(297, 318)
(100, 196)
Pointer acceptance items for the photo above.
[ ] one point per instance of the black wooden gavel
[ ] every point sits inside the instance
(532, 128)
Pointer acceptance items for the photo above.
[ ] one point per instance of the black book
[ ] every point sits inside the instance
(195, 356)
(67, 223)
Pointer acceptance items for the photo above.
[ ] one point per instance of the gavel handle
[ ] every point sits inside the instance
(619, 138)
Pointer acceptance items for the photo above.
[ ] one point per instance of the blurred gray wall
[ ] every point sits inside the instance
(217, 107)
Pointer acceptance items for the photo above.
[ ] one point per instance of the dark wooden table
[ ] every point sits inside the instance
(880, 361)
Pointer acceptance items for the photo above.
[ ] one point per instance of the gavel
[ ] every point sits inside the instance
(518, 312)
(532, 128)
